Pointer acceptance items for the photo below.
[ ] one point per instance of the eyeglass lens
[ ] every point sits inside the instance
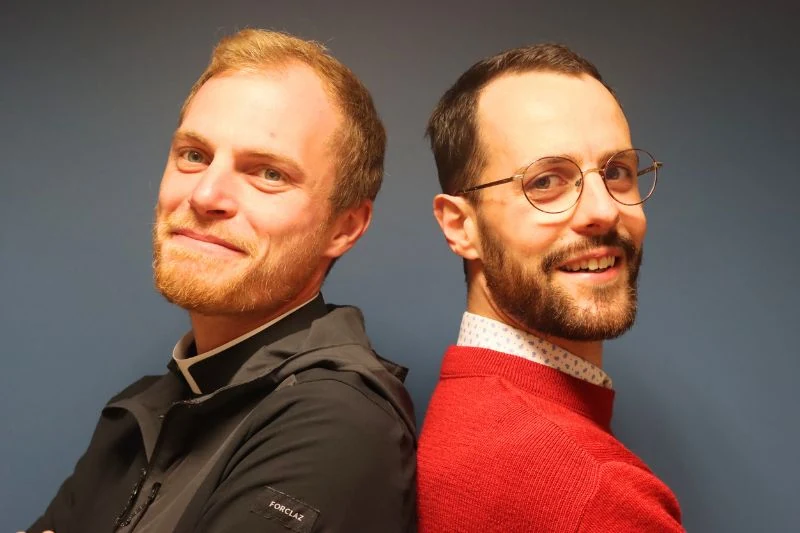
(553, 184)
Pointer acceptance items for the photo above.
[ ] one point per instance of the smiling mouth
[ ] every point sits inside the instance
(594, 264)
(206, 240)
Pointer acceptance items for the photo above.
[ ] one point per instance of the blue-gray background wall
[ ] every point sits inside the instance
(706, 380)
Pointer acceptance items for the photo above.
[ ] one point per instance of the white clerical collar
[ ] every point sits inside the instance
(179, 353)
(481, 332)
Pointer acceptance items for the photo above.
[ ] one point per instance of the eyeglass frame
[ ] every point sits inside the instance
(600, 170)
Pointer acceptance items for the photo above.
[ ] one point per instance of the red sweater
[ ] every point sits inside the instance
(510, 445)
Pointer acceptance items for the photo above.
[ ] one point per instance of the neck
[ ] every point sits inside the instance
(591, 351)
(212, 331)
(479, 303)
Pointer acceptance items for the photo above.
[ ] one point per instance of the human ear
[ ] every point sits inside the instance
(348, 227)
(456, 218)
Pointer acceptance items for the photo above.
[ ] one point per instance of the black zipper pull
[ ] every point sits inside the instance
(139, 511)
(121, 521)
(153, 494)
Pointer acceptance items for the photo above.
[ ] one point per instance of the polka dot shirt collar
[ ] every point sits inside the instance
(481, 332)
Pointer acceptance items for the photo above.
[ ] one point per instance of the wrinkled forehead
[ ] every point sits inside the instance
(523, 117)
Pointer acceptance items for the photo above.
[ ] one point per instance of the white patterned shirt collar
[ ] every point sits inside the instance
(481, 332)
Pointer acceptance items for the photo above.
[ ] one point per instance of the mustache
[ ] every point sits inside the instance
(610, 239)
(184, 221)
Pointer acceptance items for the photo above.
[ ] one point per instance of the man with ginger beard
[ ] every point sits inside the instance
(542, 198)
(275, 414)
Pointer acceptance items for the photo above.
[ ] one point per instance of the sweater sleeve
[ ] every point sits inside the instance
(331, 459)
(630, 499)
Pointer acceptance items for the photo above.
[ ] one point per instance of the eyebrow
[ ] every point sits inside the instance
(604, 157)
(291, 165)
(188, 135)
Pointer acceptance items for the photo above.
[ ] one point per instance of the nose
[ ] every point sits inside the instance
(597, 212)
(214, 194)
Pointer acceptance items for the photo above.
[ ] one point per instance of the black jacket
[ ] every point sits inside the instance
(304, 428)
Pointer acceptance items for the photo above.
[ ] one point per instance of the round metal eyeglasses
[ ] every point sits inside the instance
(554, 184)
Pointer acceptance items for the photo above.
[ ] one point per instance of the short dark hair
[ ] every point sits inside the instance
(453, 129)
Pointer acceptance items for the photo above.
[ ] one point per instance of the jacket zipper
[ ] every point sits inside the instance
(129, 513)
(121, 520)
(139, 511)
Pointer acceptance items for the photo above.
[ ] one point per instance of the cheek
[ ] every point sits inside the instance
(636, 224)
(530, 240)
(172, 192)
(539, 242)
(542, 232)
(283, 219)
(168, 193)
(521, 230)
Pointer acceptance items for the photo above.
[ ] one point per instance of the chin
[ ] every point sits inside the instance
(587, 316)
(603, 321)
(209, 299)
(205, 290)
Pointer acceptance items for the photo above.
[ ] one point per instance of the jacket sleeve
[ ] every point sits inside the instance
(629, 499)
(58, 515)
(330, 459)
(96, 471)
(88, 476)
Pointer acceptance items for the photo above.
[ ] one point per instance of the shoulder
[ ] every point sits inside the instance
(333, 413)
(498, 446)
(136, 387)
(341, 386)
(323, 440)
(496, 418)
(629, 497)
(489, 442)
(344, 396)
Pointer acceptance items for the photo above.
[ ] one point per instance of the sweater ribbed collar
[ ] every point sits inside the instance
(592, 401)
(483, 332)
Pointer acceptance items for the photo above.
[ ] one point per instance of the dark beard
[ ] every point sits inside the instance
(527, 294)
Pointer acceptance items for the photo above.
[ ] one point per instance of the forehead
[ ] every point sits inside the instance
(285, 110)
(522, 117)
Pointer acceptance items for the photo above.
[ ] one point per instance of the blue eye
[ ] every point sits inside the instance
(193, 156)
(270, 174)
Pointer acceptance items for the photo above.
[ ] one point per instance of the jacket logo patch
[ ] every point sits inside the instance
(290, 512)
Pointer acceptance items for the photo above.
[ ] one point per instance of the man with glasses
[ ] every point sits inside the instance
(542, 198)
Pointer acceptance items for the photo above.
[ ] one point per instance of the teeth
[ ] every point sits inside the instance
(592, 264)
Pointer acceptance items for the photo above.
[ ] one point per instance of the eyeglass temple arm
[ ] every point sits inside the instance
(655, 166)
(490, 184)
